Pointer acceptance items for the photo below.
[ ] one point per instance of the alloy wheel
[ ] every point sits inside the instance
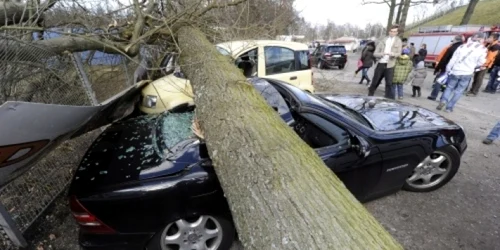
(431, 171)
(203, 233)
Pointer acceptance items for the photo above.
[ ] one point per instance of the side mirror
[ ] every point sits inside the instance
(361, 146)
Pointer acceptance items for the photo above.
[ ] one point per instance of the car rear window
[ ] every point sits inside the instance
(304, 62)
(335, 49)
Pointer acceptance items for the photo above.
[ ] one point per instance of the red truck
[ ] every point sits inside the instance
(438, 37)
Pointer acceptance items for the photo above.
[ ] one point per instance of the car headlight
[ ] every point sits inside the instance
(149, 101)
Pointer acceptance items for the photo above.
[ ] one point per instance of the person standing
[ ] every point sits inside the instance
(368, 60)
(417, 78)
(441, 62)
(422, 54)
(387, 50)
(461, 68)
(412, 50)
(494, 71)
(493, 47)
(493, 135)
(402, 69)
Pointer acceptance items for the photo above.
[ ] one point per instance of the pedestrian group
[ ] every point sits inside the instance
(456, 65)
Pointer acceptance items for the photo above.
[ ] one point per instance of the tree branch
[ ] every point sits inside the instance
(133, 48)
(12, 12)
(214, 5)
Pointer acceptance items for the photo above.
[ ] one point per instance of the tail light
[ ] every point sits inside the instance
(86, 220)
(328, 54)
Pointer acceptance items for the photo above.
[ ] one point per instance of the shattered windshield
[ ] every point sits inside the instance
(173, 128)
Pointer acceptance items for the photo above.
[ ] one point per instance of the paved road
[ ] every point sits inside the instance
(464, 214)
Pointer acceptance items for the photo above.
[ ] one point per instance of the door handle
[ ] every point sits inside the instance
(293, 78)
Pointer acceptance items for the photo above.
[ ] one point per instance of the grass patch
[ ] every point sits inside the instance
(486, 12)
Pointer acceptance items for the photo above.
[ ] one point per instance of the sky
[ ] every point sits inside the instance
(344, 11)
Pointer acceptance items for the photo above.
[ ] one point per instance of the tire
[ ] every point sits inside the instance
(451, 164)
(227, 237)
(341, 66)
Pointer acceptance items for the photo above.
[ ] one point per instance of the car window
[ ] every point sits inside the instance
(173, 128)
(304, 62)
(223, 51)
(248, 63)
(271, 95)
(335, 49)
(340, 135)
(311, 134)
(279, 60)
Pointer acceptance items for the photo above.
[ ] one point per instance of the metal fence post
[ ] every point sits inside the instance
(10, 228)
(77, 60)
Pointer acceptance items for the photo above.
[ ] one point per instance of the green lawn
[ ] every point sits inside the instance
(486, 12)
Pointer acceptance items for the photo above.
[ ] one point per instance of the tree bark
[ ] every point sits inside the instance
(404, 16)
(12, 12)
(400, 7)
(33, 51)
(469, 12)
(392, 7)
(281, 194)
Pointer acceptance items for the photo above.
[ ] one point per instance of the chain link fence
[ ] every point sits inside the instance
(33, 74)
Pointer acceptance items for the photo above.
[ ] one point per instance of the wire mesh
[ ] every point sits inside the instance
(35, 74)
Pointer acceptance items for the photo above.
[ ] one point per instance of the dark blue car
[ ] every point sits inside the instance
(147, 182)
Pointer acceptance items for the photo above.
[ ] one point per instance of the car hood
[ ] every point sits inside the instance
(390, 115)
(129, 151)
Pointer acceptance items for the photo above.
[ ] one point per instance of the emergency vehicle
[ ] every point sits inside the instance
(438, 37)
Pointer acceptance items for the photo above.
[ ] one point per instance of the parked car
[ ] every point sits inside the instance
(149, 182)
(286, 61)
(328, 56)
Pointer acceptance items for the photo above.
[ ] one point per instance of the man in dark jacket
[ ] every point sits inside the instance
(494, 71)
(441, 66)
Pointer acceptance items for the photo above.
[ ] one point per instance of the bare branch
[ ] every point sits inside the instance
(217, 6)
(13, 12)
(139, 25)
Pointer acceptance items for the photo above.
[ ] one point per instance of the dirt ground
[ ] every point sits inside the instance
(464, 214)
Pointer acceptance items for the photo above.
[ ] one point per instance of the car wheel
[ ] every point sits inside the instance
(203, 232)
(434, 171)
(341, 66)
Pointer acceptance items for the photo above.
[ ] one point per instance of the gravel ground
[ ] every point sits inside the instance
(464, 214)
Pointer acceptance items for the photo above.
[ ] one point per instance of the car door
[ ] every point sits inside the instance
(304, 71)
(280, 64)
(314, 56)
(248, 62)
(359, 173)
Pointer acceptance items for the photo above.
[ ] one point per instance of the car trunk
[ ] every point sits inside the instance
(132, 150)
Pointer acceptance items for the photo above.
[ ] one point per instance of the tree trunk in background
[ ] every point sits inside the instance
(404, 16)
(469, 12)
(392, 7)
(400, 7)
(281, 194)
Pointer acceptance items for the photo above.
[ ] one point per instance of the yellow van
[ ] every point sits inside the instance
(286, 61)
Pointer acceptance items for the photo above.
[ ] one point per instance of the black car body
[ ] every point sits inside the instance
(146, 172)
(328, 56)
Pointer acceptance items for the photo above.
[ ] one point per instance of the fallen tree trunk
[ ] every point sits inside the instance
(281, 194)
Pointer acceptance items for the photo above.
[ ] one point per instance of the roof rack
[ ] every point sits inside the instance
(451, 28)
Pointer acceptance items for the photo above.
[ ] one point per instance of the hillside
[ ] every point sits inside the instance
(486, 12)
